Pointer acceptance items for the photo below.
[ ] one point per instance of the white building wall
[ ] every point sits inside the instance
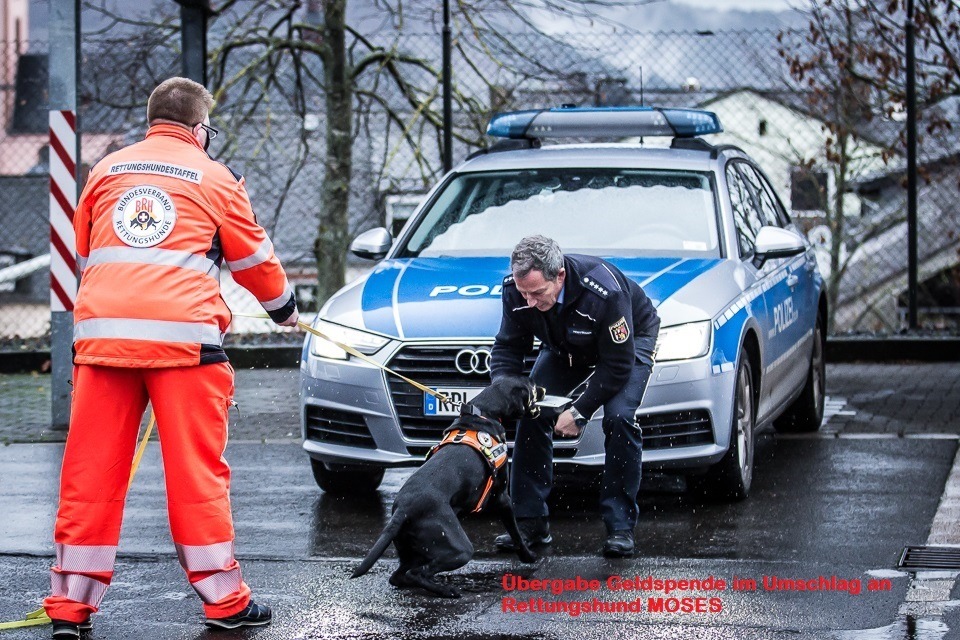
(790, 139)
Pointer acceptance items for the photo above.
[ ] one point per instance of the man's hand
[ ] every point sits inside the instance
(292, 320)
(566, 426)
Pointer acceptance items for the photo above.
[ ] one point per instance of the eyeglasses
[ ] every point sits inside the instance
(211, 132)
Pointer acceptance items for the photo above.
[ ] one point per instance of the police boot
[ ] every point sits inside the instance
(619, 544)
(533, 530)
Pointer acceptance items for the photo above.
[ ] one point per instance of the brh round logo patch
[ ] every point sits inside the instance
(144, 216)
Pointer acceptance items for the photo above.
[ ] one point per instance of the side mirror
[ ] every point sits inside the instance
(373, 244)
(774, 242)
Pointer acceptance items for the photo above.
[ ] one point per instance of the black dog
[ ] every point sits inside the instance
(425, 525)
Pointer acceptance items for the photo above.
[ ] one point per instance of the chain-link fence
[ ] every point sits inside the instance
(24, 178)
(851, 204)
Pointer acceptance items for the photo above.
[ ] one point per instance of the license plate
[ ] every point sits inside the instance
(434, 407)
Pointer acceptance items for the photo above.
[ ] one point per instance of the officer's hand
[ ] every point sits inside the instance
(566, 426)
(292, 320)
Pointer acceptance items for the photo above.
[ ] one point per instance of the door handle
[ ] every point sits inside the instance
(792, 280)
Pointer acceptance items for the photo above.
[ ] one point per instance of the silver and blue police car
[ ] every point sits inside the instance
(699, 227)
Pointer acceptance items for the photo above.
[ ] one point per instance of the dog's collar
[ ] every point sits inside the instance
(490, 447)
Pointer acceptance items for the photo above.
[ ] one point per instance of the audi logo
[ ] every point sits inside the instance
(473, 361)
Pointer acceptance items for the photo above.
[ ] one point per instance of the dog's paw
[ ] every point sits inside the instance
(448, 592)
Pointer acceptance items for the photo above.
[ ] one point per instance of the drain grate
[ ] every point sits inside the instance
(930, 558)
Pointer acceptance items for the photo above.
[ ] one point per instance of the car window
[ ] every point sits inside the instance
(770, 212)
(781, 213)
(744, 213)
(599, 211)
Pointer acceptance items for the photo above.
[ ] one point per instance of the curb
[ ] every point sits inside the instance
(840, 349)
(286, 357)
(282, 357)
(893, 349)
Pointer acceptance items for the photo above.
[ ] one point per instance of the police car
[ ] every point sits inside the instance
(699, 227)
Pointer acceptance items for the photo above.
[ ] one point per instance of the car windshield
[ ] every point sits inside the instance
(609, 212)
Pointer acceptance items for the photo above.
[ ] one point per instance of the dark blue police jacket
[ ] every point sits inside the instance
(602, 314)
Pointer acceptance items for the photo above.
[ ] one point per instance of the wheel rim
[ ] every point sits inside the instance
(744, 421)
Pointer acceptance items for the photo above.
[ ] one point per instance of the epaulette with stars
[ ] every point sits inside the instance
(508, 280)
(592, 285)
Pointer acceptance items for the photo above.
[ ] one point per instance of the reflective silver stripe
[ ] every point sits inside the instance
(207, 557)
(218, 586)
(165, 257)
(276, 303)
(261, 255)
(158, 330)
(85, 558)
(77, 588)
(81, 262)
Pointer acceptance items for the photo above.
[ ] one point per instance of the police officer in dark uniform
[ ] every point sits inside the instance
(590, 319)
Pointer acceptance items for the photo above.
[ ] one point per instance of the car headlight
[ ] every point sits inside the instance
(683, 341)
(365, 343)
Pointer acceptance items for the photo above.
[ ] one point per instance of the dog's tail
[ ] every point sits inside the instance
(389, 533)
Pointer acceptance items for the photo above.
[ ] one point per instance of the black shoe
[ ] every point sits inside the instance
(63, 630)
(255, 615)
(619, 544)
(534, 531)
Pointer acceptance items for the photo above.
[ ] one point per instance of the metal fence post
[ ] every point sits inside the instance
(911, 79)
(447, 95)
(193, 38)
(64, 161)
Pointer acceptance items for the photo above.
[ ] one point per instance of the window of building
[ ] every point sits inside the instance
(808, 189)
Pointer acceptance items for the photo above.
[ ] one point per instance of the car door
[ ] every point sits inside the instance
(747, 222)
(789, 296)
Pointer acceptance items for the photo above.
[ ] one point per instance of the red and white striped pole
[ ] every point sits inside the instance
(64, 28)
(63, 201)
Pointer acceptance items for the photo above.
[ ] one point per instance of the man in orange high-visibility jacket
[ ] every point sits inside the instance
(154, 225)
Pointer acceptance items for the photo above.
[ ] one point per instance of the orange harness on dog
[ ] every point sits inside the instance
(493, 451)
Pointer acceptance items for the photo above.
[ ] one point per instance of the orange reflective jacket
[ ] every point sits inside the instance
(155, 222)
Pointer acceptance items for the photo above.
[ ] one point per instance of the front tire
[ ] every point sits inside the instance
(345, 480)
(805, 415)
(731, 478)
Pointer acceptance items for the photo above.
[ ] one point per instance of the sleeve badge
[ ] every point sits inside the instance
(619, 331)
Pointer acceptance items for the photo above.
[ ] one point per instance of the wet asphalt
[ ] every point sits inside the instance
(842, 504)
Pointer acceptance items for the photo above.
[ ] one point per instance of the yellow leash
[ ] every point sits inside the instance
(39, 617)
(356, 354)
(32, 619)
(142, 447)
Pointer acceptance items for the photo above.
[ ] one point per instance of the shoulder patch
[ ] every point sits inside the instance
(620, 331)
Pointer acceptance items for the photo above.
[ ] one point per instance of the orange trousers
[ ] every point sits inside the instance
(191, 406)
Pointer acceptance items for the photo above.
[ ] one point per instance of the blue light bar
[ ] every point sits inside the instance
(604, 122)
